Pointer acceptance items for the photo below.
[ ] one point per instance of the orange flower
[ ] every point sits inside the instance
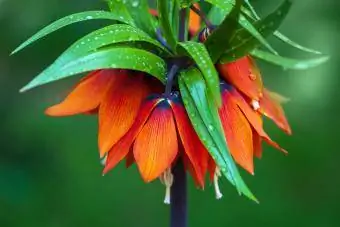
(161, 133)
(115, 94)
(244, 75)
(242, 127)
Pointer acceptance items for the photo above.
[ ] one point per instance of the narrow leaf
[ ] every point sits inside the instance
(252, 14)
(205, 120)
(218, 42)
(118, 7)
(200, 55)
(71, 19)
(289, 63)
(227, 5)
(112, 34)
(164, 13)
(243, 42)
(114, 58)
(139, 10)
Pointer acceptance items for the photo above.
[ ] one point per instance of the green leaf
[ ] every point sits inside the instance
(114, 58)
(119, 8)
(218, 42)
(243, 42)
(227, 5)
(216, 15)
(186, 3)
(289, 63)
(164, 17)
(71, 19)
(252, 14)
(139, 10)
(117, 33)
(290, 42)
(205, 120)
(174, 16)
(200, 55)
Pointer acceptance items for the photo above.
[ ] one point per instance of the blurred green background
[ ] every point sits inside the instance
(50, 174)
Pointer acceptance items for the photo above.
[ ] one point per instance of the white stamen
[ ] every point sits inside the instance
(217, 174)
(167, 180)
(103, 160)
(255, 104)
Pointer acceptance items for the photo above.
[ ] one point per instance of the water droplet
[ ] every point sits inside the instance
(252, 76)
(135, 3)
(89, 17)
(211, 128)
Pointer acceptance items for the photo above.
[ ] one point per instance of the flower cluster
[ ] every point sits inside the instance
(140, 124)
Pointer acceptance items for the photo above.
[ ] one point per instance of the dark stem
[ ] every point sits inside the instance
(179, 196)
(203, 17)
(178, 200)
(170, 80)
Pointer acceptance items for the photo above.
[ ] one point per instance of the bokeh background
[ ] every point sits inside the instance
(50, 174)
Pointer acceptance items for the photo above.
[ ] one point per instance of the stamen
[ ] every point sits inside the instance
(216, 185)
(167, 180)
(255, 104)
(103, 160)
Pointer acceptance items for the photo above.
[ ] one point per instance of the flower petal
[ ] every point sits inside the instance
(257, 142)
(244, 75)
(86, 95)
(194, 21)
(193, 147)
(270, 106)
(254, 119)
(119, 109)
(238, 133)
(129, 159)
(122, 147)
(156, 145)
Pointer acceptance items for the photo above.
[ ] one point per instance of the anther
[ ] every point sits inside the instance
(167, 180)
(255, 104)
(217, 174)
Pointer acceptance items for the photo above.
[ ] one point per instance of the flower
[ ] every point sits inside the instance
(244, 75)
(115, 94)
(161, 133)
(242, 127)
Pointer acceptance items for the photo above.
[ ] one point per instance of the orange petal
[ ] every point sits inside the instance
(156, 145)
(257, 143)
(193, 147)
(244, 75)
(129, 159)
(211, 168)
(254, 118)
(119, 109)
(270, 106)
(122, 147)
(238, 133)
(194, 21)
(86, 95)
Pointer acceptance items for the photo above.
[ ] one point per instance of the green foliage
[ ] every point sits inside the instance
(220, 40)
(164, 9)
(289, 63)
(200, 55)
(114, 58)
(139, 41)
(71, 19)
(243, 41)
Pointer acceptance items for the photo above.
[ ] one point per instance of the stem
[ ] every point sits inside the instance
(179, 196)
(170, 79)
(178, 214)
